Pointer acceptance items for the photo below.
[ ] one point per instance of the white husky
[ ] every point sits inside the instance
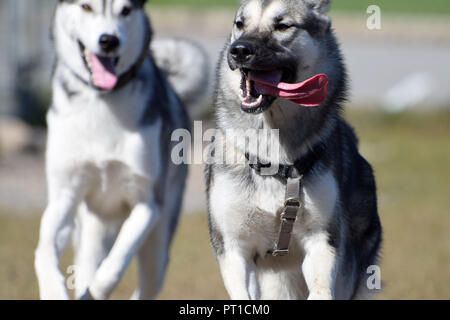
(110, 176)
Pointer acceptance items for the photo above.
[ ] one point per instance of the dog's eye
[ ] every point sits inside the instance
(86, 7)
(126, 11)
(282, 26)
(240, 25)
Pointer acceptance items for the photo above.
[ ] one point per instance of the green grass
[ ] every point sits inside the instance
(411, 157)
(388, 6)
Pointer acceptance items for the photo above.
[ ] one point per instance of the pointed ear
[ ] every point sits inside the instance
(320, 9)
(321, 6)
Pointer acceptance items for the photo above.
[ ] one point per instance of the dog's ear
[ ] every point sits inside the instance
(320, 9)
(321, 6)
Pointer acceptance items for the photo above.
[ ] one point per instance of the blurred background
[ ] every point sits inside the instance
(399, 105)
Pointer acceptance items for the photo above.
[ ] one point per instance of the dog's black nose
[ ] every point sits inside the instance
(109, 42)
(242, 52)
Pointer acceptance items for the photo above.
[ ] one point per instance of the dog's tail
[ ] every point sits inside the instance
(187, 67)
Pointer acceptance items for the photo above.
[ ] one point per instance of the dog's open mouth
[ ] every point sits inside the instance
(261, 88)
(252, 99)
(102, 69)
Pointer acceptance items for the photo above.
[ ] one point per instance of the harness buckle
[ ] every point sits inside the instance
(280, 252)
(293, 203)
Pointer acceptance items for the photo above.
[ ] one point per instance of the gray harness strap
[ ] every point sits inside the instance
(292, 207)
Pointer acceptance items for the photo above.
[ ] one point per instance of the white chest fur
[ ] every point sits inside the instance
(250, 213)
(100, 141)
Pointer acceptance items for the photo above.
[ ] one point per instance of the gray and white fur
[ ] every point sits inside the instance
(111, 182)
(338, 235)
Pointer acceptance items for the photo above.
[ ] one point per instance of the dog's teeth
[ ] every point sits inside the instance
(87, 56)
(254, 104)
(86, 53)
(260, 99)
(248, 85)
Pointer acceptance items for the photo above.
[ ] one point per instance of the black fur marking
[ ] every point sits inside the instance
(358, 212)
(163, 104)
(269, 55)
(314, 26)
(216, 237)
(158, 104)
(138, 3)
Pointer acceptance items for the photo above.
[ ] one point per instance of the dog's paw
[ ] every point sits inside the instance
(55, 293)
(320, 295)
(86, 296)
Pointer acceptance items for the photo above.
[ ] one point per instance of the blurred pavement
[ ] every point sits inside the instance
(406, 49)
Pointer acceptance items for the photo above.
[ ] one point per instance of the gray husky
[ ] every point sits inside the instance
(309, 229)
(111, 181)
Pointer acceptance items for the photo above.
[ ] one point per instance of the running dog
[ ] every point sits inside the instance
(111, 182)
(310, 228)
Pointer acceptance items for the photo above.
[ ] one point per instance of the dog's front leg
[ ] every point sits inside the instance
(319, 267)
(132, 234)
(56, 228)
(239, 275)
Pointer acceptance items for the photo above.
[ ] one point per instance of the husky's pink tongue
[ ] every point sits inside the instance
(103, 72)
(309, 93)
